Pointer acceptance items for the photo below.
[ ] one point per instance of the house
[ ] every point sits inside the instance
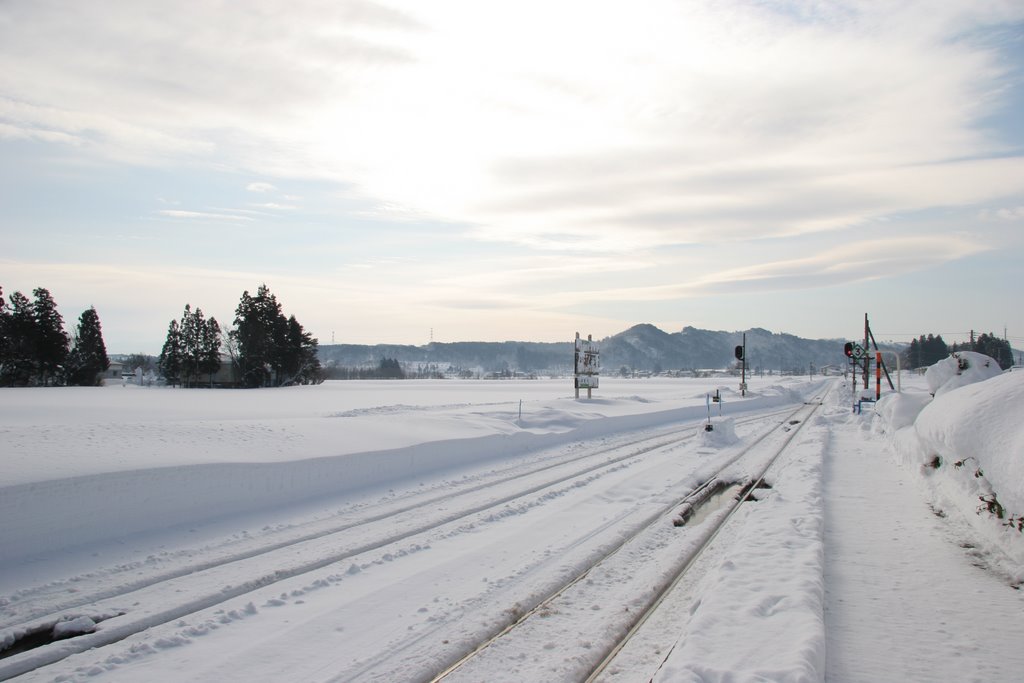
(112, 372)
(225, 376)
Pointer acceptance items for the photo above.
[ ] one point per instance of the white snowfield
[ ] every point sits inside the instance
(379, 530)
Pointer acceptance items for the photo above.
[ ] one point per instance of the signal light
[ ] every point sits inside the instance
(739, 353)
(848, 349)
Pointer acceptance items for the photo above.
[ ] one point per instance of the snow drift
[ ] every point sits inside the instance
(967, 441)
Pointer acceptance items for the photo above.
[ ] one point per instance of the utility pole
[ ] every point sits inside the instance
(741, 356)
(878, 359)
(743, 377)
(867, 358)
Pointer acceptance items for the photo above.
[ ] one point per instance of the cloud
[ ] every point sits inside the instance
(277, 207)
(646, 146)
(11, 132)
(260, 187)
(849, 263)
(1014, 213)
(201, 215)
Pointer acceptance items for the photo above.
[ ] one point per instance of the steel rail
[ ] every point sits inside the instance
(661, 596)
(693, 498)
(112, 631)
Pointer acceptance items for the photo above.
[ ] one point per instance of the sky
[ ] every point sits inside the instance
(401, 172)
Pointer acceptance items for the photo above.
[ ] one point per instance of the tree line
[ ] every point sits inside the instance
(264, 348)
(388, 368)
(191, 349)
(928, 350)
(36, 351)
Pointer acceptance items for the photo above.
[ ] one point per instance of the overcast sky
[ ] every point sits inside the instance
(517, 171)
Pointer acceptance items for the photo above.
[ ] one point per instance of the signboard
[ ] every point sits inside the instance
(587, 365)
(588, 358)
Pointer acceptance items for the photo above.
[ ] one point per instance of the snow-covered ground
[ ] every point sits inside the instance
(864, 562)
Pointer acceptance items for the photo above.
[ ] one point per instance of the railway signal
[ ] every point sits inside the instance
(854, 351)
(741, 356)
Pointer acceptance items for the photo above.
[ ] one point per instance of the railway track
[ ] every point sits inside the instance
(703, 512)
(132, 607)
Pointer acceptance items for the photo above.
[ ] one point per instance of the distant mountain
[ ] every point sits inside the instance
(645, 347)
(641, 348)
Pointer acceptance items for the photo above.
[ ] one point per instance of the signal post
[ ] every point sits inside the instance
(741, 356)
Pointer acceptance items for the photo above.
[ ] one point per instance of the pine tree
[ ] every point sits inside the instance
(996, 348)
(258, 326)
(51, 342)
(939, 350)
(88, 357)
(170, 359)
(930, 350)
(926, 351)
(390, 368)
(199, 342)
(20, 349)
(271, 350)
(191, 325)
(5, 338)
(913, 355)
(209, 347)
(302, 365)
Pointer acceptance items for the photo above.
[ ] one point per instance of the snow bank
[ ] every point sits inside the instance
(722, 433)
(900, 410)
(959, 370)
(981, 424)
(968, 442)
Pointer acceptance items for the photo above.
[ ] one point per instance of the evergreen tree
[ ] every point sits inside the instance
(301, 364)
(996, 348)
(390, 369)
(255, 321)
(170, 360)
(198, 345)
(912, 358)
(209, 347)
(51, 342)
(929, 350)
(5, 338)
(191, 326)
(926, 350)
(260, 334)
(88, 358)
(19, 363)
(270, 349)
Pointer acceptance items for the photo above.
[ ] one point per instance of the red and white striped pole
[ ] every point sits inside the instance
(878, 374)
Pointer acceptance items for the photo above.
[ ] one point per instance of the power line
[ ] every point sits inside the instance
(915, 335)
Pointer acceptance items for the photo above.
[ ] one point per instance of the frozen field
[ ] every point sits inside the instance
(369, 530)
